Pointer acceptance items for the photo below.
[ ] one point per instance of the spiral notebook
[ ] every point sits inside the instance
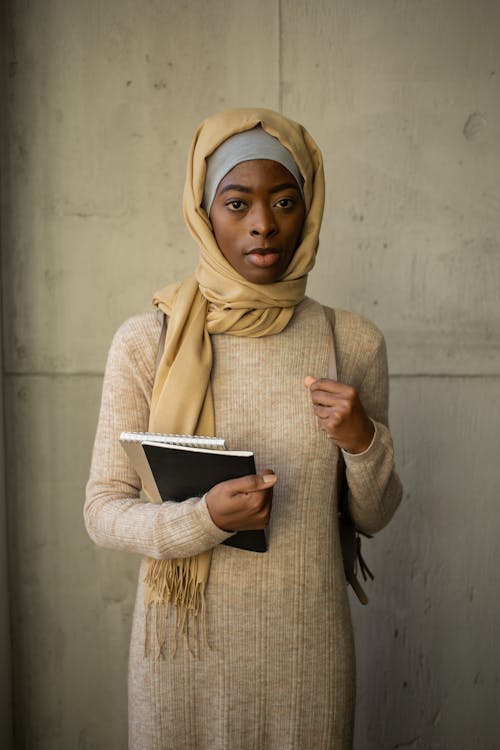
(175, 467)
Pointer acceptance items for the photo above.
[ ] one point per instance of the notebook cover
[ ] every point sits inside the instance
(181, 473)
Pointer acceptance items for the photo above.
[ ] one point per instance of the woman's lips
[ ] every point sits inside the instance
(263, 258)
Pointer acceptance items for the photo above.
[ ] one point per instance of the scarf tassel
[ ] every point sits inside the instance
(175, 583)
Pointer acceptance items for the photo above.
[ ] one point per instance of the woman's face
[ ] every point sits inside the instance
(257, 217)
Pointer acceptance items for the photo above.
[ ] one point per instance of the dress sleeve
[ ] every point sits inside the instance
(375, 490)
(115, 515)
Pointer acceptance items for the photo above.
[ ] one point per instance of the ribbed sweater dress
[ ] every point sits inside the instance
(279, 672)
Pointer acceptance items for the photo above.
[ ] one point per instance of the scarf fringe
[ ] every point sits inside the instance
(174, 583)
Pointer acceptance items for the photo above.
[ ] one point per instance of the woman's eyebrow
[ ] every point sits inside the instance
(245, 189)
(238, 188)
(284, 186)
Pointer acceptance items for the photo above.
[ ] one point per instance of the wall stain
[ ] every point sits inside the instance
(52, 280)
(474, 126)
(21, 351)
(22, 394)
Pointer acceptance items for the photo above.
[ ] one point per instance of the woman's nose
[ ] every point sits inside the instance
(263, 222)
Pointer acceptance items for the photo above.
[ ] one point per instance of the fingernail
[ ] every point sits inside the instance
(268, 478)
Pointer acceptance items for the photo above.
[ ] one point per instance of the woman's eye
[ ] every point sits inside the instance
(285, 203)
(235, 205)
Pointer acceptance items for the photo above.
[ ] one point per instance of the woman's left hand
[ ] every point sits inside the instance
(341, 414)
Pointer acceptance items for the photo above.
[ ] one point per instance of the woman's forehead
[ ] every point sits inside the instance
(258, 171)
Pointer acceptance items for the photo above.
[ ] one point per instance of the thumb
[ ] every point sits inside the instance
(309, 380)
(268, 476)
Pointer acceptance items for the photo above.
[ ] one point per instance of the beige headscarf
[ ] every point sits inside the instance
(219, 300)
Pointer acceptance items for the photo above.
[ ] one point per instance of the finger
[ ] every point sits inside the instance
(342, 407)
(268, 476)
(326, 385)
(330, 422)
(323, 398)
(323, 412)
(252, 483)
(315, 383)
(269, 479)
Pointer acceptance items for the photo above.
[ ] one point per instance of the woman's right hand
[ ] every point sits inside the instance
(243, 503)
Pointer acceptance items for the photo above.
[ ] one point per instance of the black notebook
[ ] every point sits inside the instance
(182, 471)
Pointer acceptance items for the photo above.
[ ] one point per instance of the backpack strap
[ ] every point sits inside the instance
(350, 539)
(161, 341)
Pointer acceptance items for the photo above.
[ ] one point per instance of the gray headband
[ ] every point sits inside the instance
(251, 144)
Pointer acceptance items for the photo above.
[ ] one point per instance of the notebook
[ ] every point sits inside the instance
(175, 467)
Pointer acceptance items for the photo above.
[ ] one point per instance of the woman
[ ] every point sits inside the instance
(233, 649)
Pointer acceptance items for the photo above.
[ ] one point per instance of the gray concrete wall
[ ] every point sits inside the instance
(404, 100)
(5, 642)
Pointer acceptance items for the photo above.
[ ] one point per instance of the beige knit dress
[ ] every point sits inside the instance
(279, 673)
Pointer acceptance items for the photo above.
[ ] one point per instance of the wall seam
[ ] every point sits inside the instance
(392, 375)
(280, 58)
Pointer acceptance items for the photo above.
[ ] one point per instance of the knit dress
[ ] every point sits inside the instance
(278, 672)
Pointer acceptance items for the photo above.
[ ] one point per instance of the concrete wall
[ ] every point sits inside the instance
(404, 99)
(5, 642)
